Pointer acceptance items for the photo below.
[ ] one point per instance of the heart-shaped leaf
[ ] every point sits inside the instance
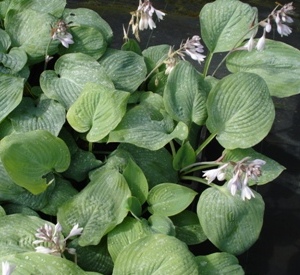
(185, 94)
(161, 225)
(11, 92)
(156, 254)
(29, 157)
(98, 208)
(240, 110)
(226, 23)
(155, 55)
(147, 125)
(277, 59)
(98, 110)
(229, 222)
(5, 41)
(127, 70)
(184, 156)
(71, 73)
(88, 18)
(15, 60)
(45, 114)
(169, 199)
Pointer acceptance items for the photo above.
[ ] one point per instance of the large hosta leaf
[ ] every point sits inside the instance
(277, 59)
(54, 7)
(147, 125)
(240, 110)
(229, 222)
(226, 23)
(155, 55)
(98, 110)
(88, 40)
(5, 41)
(29, 157)
(71, 73)
(169, 199)
(30, 30)
(45, 114)
(98, 208)
(219, 263)
(156, 254)
(185, 94)
(126, 69)
(89, 18)
(270, 171)
(11, 92)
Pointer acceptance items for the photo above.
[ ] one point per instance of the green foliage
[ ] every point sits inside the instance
(111, 140)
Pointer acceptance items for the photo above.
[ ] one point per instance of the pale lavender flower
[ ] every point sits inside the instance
(74, 231)
(193, 48)
(60, 33)
(7, 268)
(234, 184)
(250, 44)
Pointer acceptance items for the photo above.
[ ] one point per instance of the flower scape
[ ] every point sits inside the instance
(115, 145)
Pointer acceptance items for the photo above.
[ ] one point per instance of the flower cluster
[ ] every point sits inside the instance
(59, 32)
(192, 47)
(52, 237)
(142, 18)
(280, 17)
(243, 170)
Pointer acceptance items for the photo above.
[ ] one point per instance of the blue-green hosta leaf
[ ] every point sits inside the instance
(15, 60)
(29, 157)
(219, 263)
(147, 125)
(155, 55)
(160, 224)
(45, 114)
(98, 208)
(156, 254)
(185, 95)
(14, 208)
(270, 171)
(38, 263)
(4, 41)
(17, 233)
(277, 59)
(136, 180)
(231, 224)
(240, 110)
(188, 228)
(159, 161)
(54, 7)
(129, 231)
(87, 40)
(169, 199)
(71, 73)
(88, 18)
(184, 156)
(226, 23)
(30, 30)
(11, 92)
(127, 70)
(98, 110)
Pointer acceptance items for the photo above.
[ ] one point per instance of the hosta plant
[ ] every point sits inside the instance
(106, 164)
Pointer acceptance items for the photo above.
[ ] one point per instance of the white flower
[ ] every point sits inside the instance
(44, 250)
(211, 174)
(283, 29)
(250, 44)
(7, 268)
(234, 184)
(261, 42)
(74, 231)
(145, 12)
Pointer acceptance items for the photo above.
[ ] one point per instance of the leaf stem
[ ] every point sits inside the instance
(205, 143)
(173, 150)
(207, 63)
(196, 179)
